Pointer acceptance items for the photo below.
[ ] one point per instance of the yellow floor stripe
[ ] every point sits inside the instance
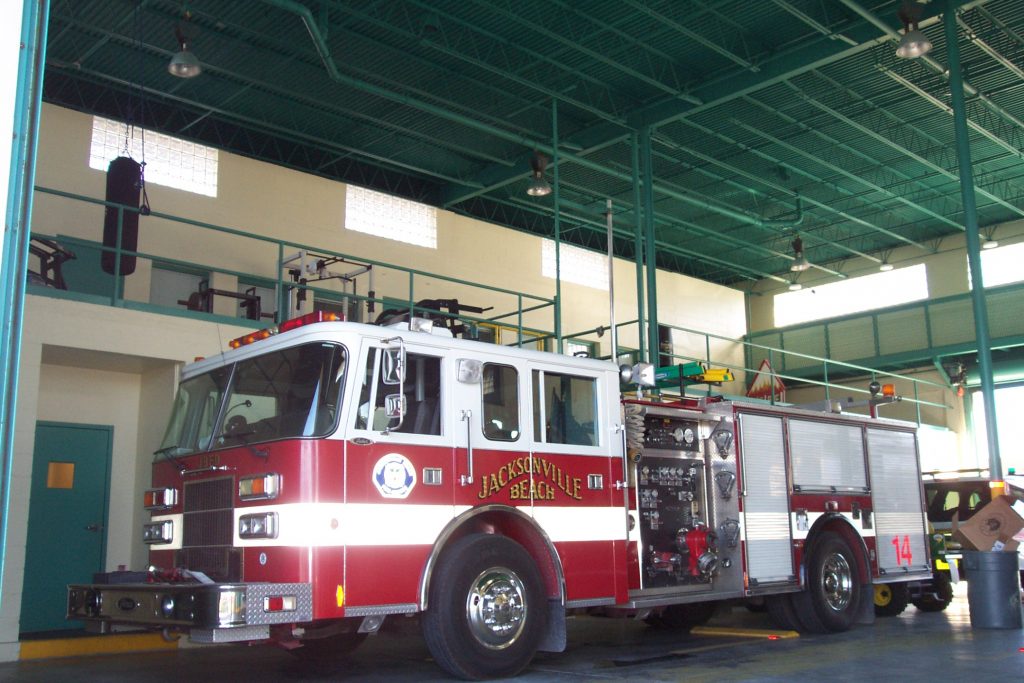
(95, 645)
(743, 632)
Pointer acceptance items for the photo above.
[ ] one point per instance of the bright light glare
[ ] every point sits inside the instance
(865, 293)
(1001, 266)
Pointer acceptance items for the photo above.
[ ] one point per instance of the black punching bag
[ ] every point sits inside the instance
(665, 358)
(123, 187)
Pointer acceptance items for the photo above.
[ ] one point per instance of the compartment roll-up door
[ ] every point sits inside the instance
(766, 500)
(900, 530)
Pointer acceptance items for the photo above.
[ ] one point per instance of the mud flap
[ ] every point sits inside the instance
(554, 638)
(866, 609)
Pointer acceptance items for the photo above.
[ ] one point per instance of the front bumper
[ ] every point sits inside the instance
(219, 612)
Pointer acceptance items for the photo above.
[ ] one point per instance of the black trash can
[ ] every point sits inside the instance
(993, 589)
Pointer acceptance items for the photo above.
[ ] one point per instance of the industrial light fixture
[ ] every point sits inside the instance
(184, 64)
(795, 286)
(990, 242)
(914, 43)
(885, 266)
(800, 263)
(538, 186)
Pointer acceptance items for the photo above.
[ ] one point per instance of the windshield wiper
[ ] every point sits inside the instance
(240, 436)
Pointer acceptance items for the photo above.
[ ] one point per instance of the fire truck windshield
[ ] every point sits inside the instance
(294, 392)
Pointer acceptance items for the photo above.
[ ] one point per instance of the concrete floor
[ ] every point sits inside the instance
(912, 647)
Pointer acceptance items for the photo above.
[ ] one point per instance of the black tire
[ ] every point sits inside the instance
(782, 613)
(891, 599)
(487, 608)
(943, 588)
(683, 617)
(831, 598)
(328, 649)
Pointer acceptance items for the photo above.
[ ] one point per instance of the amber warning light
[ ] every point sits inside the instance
(286, 326)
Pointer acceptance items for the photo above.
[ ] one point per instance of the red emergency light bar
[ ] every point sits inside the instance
(287, 325)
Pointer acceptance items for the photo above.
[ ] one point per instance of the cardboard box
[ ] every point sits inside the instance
(993, 527)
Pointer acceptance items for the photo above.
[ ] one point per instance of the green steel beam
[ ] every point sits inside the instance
(638, 243)
(898, 147)
(27, 103)
(664, 20)
(972, 35)
(963, 153)
(647, 194)
(861, 155)
(843, 172)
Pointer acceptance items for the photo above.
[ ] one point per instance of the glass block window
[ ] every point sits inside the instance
(170, 161)
(857, 294)
(1001, 266)
(393, 218)
(579, 266)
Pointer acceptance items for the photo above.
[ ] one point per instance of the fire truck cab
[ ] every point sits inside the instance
(323, 476)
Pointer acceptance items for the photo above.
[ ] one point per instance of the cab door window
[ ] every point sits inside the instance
(564, 409)
(422, 393)
(500, 409)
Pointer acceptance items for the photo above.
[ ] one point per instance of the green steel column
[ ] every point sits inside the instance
(558, 229)
(17, 233)
(649, 255)
(963, 154)
(638, 248)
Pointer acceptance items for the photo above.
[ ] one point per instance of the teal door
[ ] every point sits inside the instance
(66, 519)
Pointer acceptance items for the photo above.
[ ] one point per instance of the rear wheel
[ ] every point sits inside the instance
(940, 597)
(487, 608)
(830, 601)
(891, 599)
(683, 617)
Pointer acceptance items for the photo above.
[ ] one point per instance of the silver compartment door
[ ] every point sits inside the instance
(769, 543)
(900, 530)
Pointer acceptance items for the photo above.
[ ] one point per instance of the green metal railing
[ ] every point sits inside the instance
(523, 304)
(720, 352)
(899, 335)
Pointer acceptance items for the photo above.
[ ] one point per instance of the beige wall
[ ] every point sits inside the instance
(268, 200)
(89, 364)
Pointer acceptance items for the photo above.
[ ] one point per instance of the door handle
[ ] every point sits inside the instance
(93, 527)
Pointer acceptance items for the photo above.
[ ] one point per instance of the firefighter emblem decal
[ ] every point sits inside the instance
(394, 476)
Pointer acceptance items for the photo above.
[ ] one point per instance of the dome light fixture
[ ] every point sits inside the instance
(914, 43)
(795, 286)
(183, 64)
(885, 266)
(538, 185)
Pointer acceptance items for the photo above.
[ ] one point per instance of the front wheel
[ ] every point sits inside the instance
(830, 601)
(487, 608)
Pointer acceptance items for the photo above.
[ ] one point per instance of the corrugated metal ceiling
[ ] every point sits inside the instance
(749, 104)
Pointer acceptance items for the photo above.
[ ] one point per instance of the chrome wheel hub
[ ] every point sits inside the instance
(837, 582)
(496, 608)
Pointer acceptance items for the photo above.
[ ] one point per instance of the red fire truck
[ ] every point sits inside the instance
(320, 477)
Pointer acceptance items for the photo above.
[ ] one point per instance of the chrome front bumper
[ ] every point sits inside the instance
(219, 612)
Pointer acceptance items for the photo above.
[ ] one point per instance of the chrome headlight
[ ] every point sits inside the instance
(260, 525)
(158, 532)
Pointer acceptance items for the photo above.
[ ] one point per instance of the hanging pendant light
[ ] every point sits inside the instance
(538, 185)
(800, 263)
(184, 64)
(914, 42)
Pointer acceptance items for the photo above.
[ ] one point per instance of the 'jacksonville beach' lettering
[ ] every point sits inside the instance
(553, 479)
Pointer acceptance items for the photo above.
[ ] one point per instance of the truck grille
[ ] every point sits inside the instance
(208, 530)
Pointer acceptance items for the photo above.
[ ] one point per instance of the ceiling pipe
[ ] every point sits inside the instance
(324, 53)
